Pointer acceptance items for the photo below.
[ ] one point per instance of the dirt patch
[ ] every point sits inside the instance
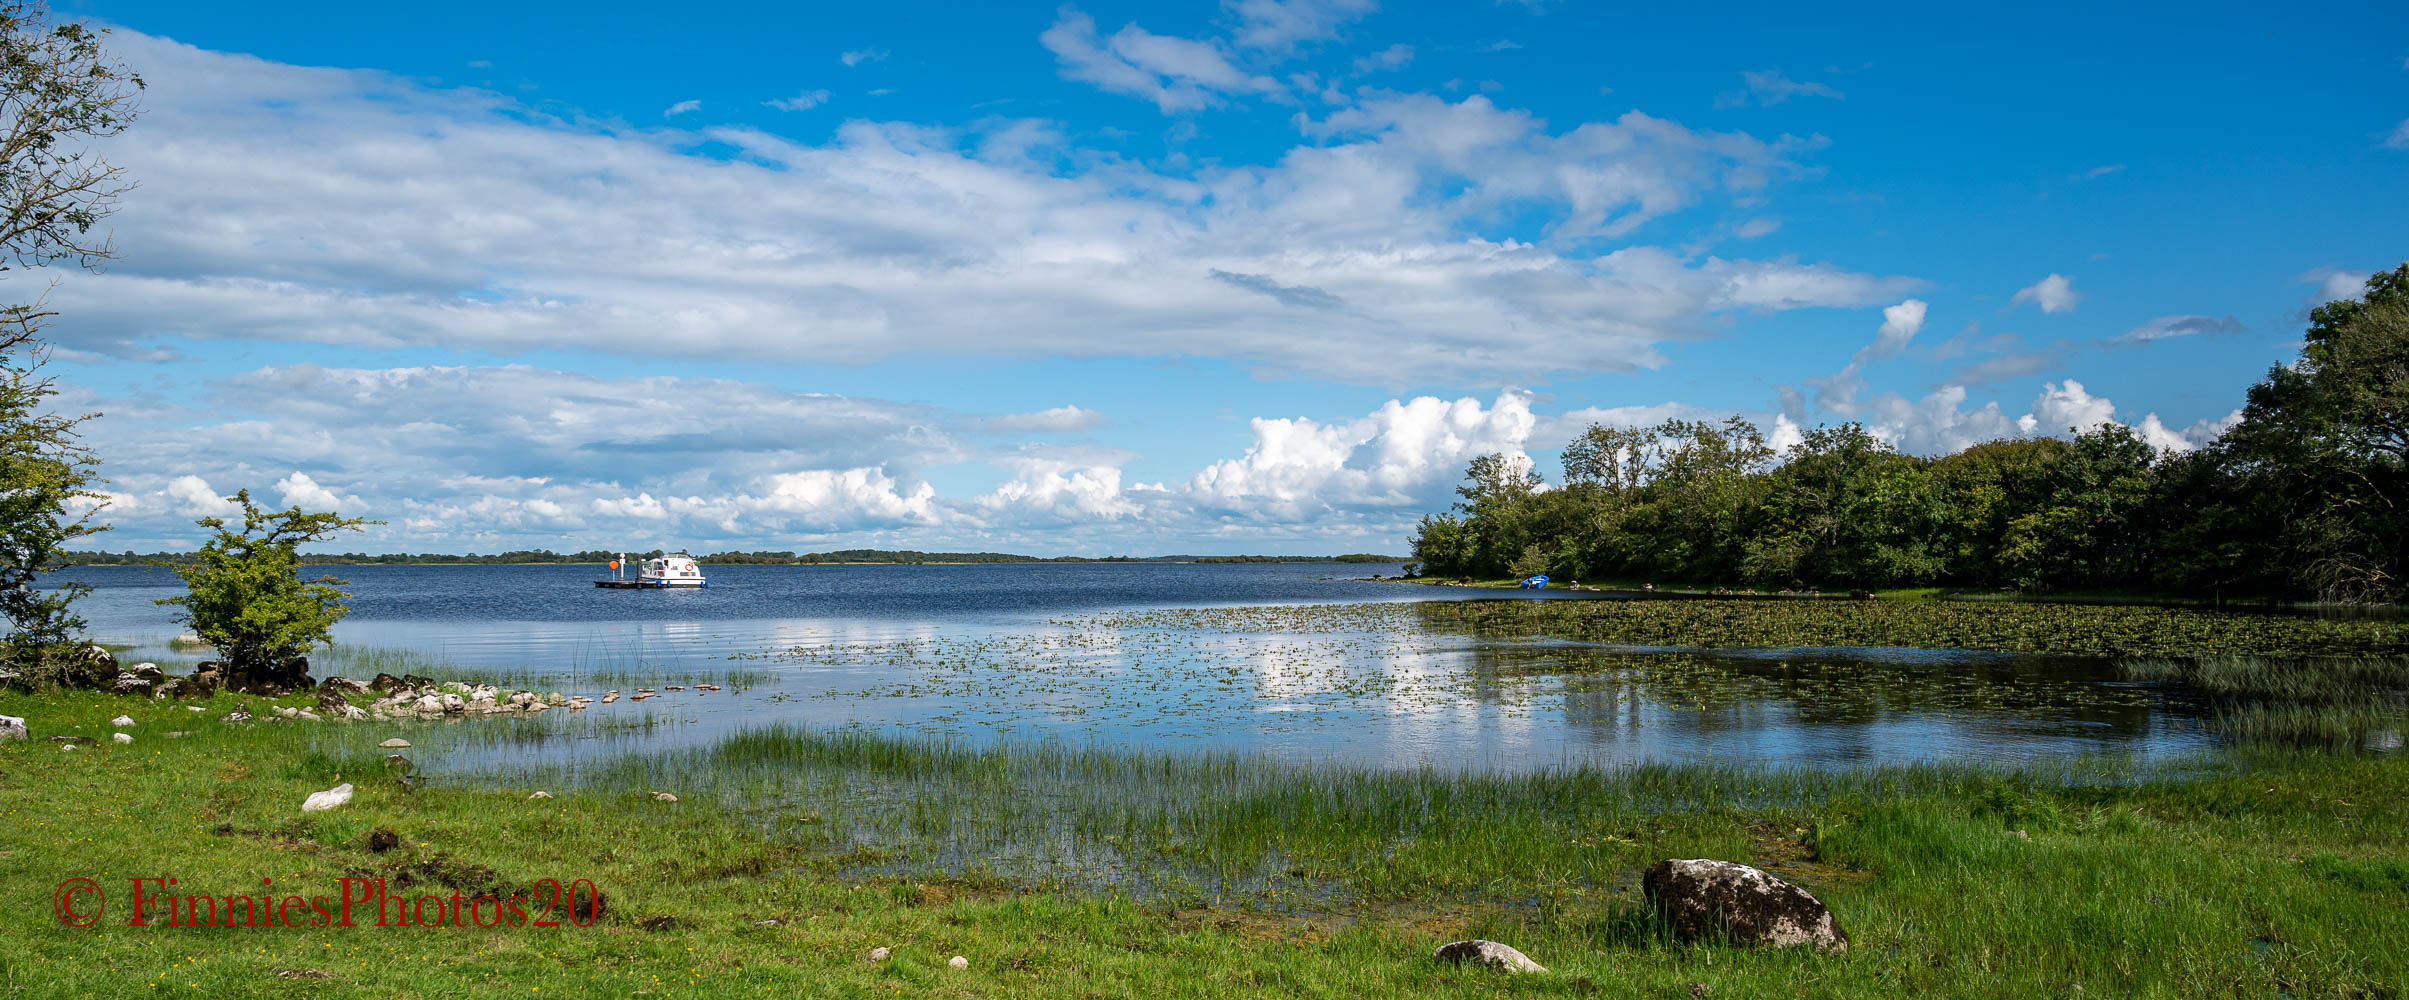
(382, 839)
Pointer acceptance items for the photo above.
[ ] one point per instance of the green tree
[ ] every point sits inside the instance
(58, 93)
(2323, 448)
(245, 596)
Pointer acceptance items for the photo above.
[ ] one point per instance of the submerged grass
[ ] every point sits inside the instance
(2247, 874)
(2331, 702)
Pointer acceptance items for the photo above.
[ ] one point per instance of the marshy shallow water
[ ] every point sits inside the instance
(1296, 663)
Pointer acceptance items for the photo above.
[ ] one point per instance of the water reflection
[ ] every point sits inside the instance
(1380, 685)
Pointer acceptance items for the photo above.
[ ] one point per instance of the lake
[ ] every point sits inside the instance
(1155, 656)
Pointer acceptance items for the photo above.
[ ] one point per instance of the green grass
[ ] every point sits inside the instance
(2257, 873)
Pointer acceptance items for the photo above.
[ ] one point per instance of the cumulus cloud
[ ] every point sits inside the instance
(2054, 294)
(510, 457)
(299, 490)
(2167, 327)
(1391, 458)
(1939, 422)
(1899, 325)
(192, 495)
(1837, 393)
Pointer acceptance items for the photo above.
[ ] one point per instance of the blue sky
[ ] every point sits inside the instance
(1256, 276)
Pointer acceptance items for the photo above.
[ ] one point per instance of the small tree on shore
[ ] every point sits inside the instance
(246, 597)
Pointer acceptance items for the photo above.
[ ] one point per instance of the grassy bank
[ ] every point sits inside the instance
(2255, 874)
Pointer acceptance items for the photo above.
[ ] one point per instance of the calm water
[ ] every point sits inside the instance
(1153, 656)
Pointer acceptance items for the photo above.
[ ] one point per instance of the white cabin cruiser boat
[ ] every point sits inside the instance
(668, 571)
(671, 571)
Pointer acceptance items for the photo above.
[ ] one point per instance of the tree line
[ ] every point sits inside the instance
(2307, 496)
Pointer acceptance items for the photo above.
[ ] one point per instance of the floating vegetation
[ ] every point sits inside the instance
(2077, 630)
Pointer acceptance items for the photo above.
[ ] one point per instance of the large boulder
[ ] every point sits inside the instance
(1503, 958)
(386, 683)
(1705, 900)
(343, 686)
(127, 683)
(12, 727)
(332, 703)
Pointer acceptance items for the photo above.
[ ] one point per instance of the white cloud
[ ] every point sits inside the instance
(804, 101)
(1938, 423)
(2167, 327)
(2054, 294)
(1177, 74)
(2399, 139)
(1769, 87)
(2335, 284)
(1393, 57)
(1837, 393)
(1900, 324)
(2098, 172)
(2069, 407)
(682, 107)
(1391, 458)
(299, 490)
(1281, 25)
(1060, 419)
(856, 57)
(371, 211)
(193, 496)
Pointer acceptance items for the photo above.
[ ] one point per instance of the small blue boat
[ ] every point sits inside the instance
(1535, 583)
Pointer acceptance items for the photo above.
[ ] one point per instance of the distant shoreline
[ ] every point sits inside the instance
(171, 559)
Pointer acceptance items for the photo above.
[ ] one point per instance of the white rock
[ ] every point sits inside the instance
(67, 746)
(1489, 953)
(124, 738)
(878, 954)
(396, 743)
(308, 715)
(354, 713)
(328, 799)
(663, 797)
(429, 703)
(958, 963)
(453, 702)
(540, 795)
(11, 727)
(288, 712)
(194, 708)
(122, 721)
